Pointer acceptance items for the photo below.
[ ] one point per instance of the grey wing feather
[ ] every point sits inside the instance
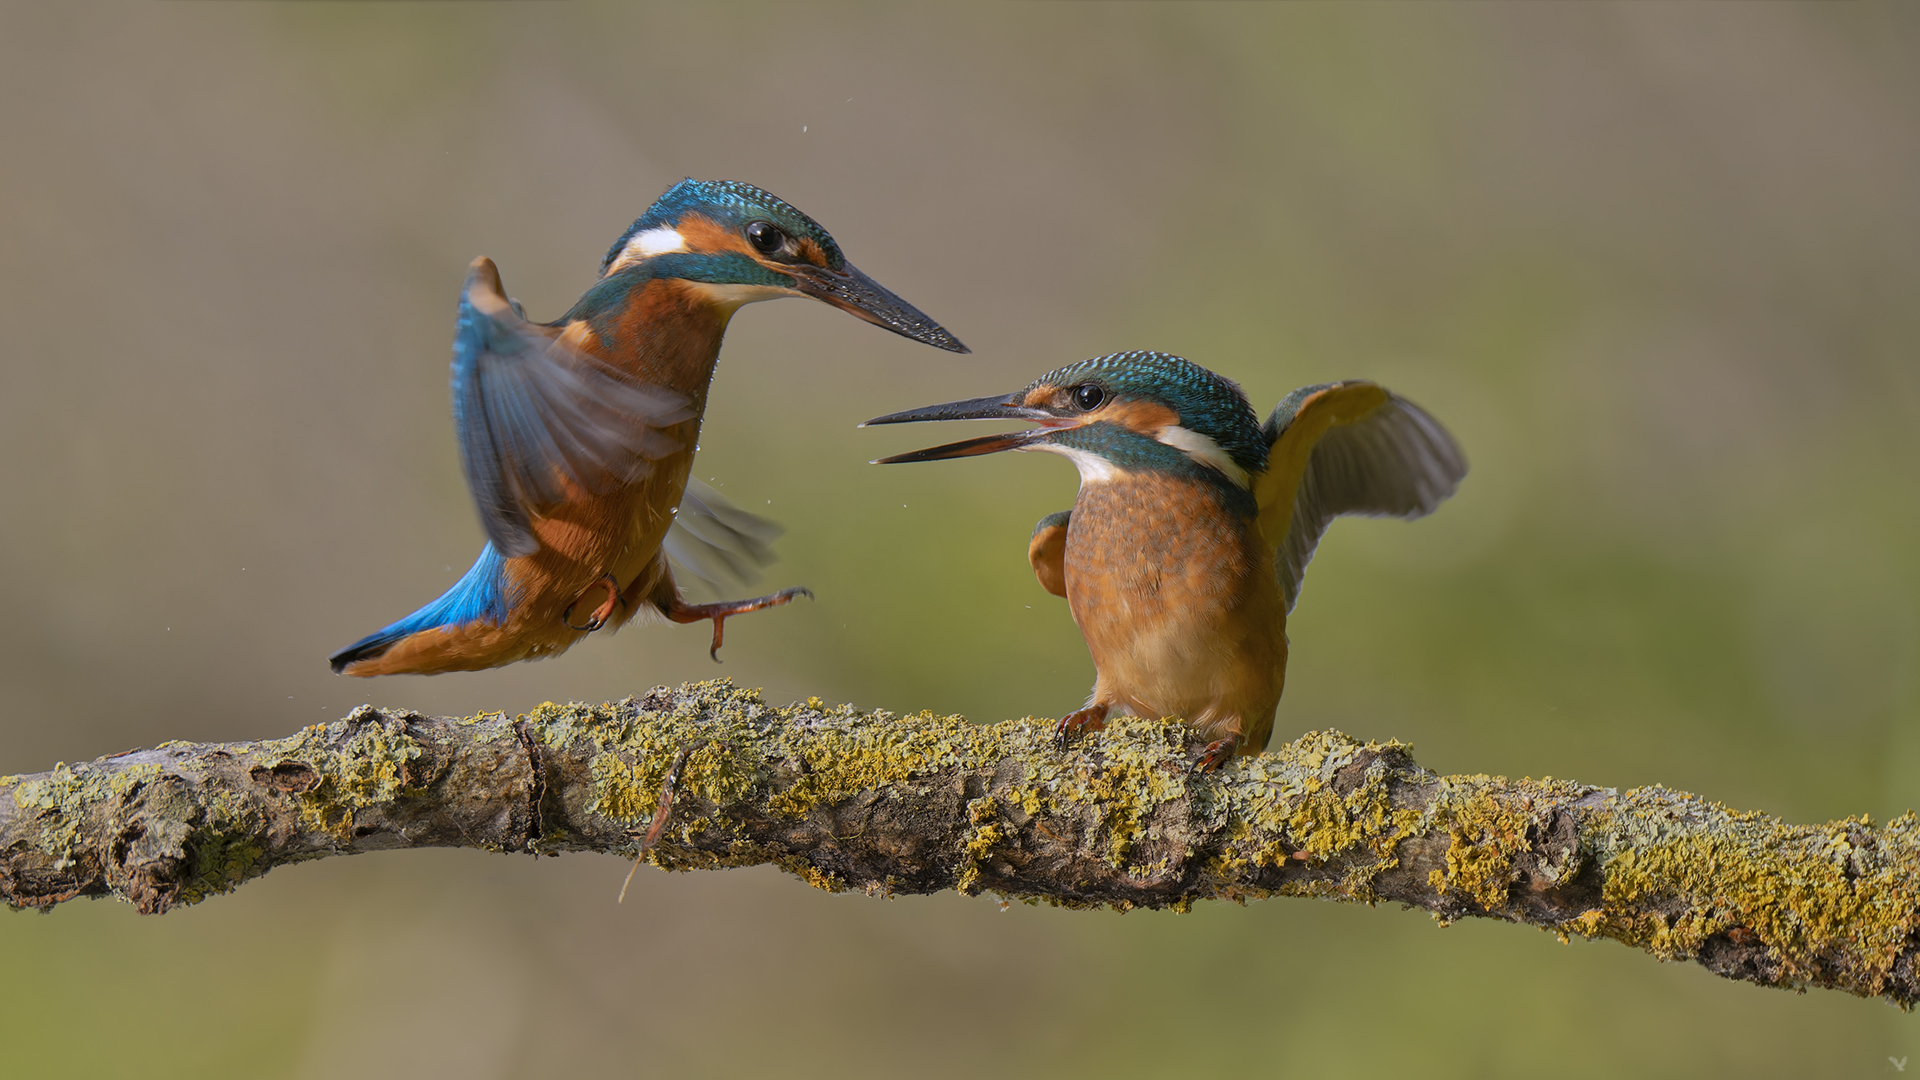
(717, 542)
(536, 418)
(1397, 462)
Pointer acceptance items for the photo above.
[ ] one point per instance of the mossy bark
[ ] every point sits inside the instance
(915, 804)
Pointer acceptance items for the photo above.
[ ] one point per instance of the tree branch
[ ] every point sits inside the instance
(851, 800)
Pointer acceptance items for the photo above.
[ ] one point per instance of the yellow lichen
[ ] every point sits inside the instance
(982, 814)
(618, 790)
(1322, 816)
(1485, 835)
(1802, 891)
(360, 762)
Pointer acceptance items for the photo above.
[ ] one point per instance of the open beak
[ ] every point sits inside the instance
(1005, 407)
(857, 294)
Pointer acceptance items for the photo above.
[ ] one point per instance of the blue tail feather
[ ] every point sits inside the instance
(479, 594)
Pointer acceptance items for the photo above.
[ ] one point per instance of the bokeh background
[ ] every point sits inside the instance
(1655, 265)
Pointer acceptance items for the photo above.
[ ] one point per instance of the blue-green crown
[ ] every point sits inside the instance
(730, 203)
(1205, 403)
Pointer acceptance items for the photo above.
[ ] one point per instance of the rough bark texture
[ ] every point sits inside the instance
(916, 804)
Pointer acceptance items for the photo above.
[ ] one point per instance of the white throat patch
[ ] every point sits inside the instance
(1094, 469)
(730, 297)
(1203, 449)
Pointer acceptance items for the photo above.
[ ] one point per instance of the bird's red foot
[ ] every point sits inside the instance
(600, 614)
(1217, 753)
(686, 613)
(1091, 718)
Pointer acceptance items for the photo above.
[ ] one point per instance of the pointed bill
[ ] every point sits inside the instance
(987, 444)
(999, 407)
(857, 294)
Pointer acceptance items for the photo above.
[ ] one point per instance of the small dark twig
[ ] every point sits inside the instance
(660, 812)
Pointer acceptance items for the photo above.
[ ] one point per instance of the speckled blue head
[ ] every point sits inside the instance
(1204, 403)
(731, 205)
(1122, 413)
(735, 244)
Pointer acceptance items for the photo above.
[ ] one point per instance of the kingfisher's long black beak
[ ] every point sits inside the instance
(857, 294)
(1004, 407)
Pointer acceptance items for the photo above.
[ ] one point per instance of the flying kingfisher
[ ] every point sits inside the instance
(1185, 546)
(576, 436)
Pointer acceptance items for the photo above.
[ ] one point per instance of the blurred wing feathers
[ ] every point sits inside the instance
(716, 541)
(539, 421)
(1348, 448)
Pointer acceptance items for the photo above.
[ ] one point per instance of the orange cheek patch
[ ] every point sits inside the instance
(709, 237)
(810, 251)
(1042, 397)
(1142, 416)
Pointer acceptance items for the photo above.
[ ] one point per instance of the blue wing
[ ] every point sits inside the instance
(539, 421)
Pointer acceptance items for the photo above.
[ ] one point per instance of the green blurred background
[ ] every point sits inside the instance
(1648, 262)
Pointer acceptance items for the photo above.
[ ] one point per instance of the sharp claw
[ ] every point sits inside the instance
(1091, 718)
(1217, 753)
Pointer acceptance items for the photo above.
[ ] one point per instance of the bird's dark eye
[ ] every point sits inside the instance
(1087, 397)
(766, 238)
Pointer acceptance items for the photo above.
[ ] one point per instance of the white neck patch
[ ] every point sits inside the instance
(657, 241)
(645, 245)
(1094, 469)
(1202, 449)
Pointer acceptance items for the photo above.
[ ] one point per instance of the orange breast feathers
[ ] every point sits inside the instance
(1177, 599)
(666, 334)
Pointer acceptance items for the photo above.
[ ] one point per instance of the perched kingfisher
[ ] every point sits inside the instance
(1185, 546)
(576, 436)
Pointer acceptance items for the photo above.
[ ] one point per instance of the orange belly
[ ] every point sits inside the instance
(1180, 605)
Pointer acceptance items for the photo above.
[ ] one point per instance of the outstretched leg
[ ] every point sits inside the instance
(664, 596)
(1091, 718)
(681, 612)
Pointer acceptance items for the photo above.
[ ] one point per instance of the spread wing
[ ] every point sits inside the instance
(1348, 448)
(716, 541)
(539, 421)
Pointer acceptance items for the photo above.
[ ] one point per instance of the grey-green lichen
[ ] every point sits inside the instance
(56, 799)
(359, 762)
(1680, 871)
(846, 799)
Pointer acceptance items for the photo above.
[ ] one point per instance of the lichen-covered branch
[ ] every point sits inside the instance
(916, 804)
